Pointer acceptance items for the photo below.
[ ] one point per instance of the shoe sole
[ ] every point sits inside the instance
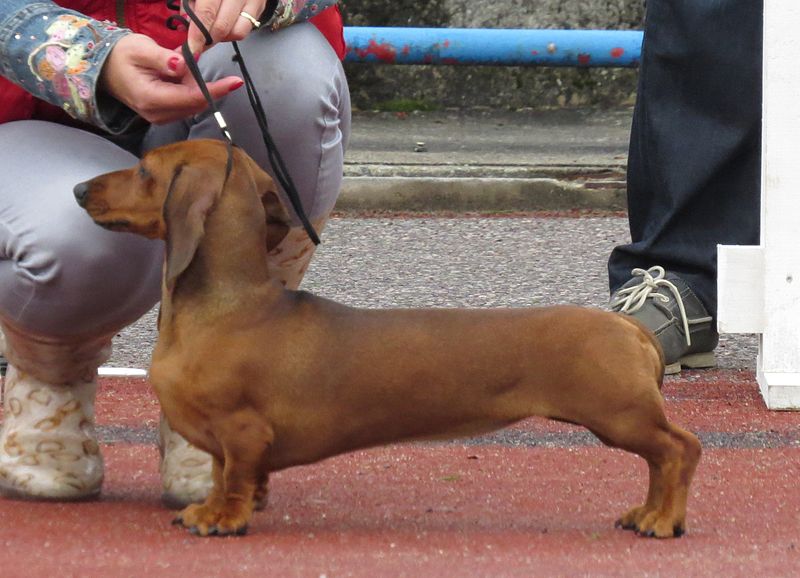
(705, 360)
(13, 493)
(173, 502)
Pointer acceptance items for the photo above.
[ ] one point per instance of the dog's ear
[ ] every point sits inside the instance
(277, 218)
(192, 194)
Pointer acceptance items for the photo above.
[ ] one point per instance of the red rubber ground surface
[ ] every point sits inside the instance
(487, 509)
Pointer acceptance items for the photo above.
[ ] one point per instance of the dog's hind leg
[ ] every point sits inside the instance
(655, 495)
(672, 455)
(676, 478)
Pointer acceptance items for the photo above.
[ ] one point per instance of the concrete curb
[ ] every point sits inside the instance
(462, 189)
(420, 194)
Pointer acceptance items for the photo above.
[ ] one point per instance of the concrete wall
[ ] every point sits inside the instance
(392, 87)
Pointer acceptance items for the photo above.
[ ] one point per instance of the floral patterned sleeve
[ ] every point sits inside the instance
(57, 54)
(283, 13)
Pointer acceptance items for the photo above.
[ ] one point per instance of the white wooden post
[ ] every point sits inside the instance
(759, 287)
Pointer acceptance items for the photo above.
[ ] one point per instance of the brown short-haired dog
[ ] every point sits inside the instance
(264, 378)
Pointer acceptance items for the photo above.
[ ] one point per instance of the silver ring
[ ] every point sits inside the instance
(253, 21)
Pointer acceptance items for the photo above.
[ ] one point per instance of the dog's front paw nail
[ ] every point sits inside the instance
(177, 521)
(624, 525)
(229, 531)
(678, 531)
(202, 530)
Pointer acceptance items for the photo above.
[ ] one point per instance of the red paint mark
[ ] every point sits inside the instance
(583, 59)
(447, 44)
(535, 52)
(617, 52)
(384, 52)
(406, 50)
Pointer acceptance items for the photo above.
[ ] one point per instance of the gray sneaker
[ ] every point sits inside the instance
(665, 303)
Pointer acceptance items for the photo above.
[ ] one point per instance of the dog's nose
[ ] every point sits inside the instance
(81, 192)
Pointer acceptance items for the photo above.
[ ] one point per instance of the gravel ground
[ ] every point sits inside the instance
(457, 262)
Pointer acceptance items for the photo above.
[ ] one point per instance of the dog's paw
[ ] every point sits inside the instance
(230, 525)
(631, 519)
(655, 525)
(228, 530)
(199, 519)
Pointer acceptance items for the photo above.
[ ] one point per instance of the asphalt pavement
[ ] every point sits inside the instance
(478, 209)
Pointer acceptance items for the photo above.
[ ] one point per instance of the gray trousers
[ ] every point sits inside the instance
(63, 278)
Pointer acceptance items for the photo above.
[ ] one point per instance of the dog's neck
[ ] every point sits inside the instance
(230, 264)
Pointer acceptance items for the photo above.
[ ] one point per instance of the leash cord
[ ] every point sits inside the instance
(281, 172)
(275, 159)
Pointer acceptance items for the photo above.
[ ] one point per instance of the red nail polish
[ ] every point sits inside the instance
(238, 84)
(173, 63)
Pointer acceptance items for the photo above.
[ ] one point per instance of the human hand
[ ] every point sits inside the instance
(155, 82)
(223, 20)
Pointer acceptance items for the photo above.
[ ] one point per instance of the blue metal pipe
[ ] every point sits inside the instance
(493, 47)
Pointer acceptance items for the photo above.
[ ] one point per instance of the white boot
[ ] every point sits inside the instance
(185, 470)
(48, 446)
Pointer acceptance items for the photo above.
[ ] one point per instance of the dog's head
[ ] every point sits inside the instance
(169, 194)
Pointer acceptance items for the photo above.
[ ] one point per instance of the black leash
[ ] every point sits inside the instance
(281, 172)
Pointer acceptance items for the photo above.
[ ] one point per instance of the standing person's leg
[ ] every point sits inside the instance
(67, 287)
(304, 91)
(693, 167)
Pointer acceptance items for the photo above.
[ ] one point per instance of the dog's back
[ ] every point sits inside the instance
(366, 377)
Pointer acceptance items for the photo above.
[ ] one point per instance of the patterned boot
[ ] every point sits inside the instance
(185, 470)
(48, 446)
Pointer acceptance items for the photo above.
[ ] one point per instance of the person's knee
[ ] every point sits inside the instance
(298, 76)
(302, 87)
(62, 275)
(74, 281)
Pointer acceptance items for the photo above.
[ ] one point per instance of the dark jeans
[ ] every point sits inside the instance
(695, 152)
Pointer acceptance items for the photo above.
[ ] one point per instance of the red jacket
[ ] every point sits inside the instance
(146, 17)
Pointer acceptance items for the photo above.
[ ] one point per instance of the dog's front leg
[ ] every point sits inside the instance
(245, 438)
(202, 518)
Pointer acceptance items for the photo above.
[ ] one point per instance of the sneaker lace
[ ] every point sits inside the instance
(631, 299)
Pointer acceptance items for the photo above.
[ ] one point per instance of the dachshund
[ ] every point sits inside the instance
(263, 377)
